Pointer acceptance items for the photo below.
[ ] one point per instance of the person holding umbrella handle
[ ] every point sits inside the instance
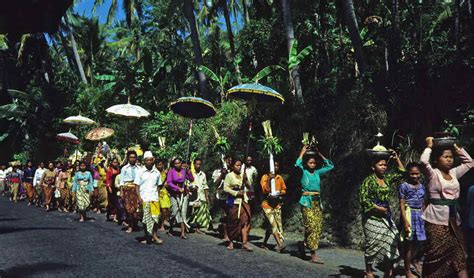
(236, 185)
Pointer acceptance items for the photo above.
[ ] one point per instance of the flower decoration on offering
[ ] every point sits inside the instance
(311, 143)
(378, 151)
(271, 145)
(222, 144)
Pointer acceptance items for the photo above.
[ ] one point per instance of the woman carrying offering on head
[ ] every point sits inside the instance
(380, 232)
(310, 201)
(445, 252)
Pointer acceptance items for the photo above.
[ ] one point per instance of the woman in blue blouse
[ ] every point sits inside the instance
(310, 201)
(82, 185)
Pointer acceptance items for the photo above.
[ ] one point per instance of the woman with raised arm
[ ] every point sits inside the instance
(310, 201)
(380, 232)
(445, 251)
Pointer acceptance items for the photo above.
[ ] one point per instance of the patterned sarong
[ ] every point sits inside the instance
(201, 215)
(130, 201)
(313, 225)
(82, 197)
(273, 216)
(381, 241)
(64, 197)
(445, 254)
(102, 197)
(30, 191)
(151, 215)
(179, 208)
(48, 194)
(234, 224)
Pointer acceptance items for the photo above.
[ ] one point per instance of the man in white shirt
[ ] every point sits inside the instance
(147, 181)
(3, 178)
(252, 175)
(36, 183)
(128, 192)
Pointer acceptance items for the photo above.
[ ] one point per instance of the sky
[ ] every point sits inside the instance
(84, 7)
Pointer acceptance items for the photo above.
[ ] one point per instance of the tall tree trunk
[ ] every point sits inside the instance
(353, 27)
(395, 49)
(69, 56)
(189, 12)
(77, 58)
(290, 37)
(457, 28)
(323, 50)
(230, 36)
(246, 12)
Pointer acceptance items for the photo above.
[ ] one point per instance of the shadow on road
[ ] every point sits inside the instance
(8, 230)
(26, 270)
(350, 271)
(8, 219)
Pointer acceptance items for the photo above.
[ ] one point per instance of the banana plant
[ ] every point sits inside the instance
(295, 57)
(222, 81)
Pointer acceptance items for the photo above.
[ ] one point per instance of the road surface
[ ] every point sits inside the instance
(34, 243)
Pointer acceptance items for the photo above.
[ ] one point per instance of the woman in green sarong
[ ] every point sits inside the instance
(82, 186)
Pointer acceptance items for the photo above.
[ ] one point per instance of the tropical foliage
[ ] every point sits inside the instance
(345, 69)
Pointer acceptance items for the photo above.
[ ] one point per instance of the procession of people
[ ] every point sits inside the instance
(143, 189)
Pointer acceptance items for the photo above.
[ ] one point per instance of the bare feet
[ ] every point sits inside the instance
(280, 248)
(129, 230)
(369, 274)
(230, 246)
(247, 248)
(157, 240)
(199, 232)
(316, 259)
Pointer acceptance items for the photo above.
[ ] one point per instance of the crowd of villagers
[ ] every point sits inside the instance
(163, 196)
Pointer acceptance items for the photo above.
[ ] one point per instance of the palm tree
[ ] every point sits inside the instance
(189, 13)
(230, 36)
(64, 26)
(290, 37)
(353, 27)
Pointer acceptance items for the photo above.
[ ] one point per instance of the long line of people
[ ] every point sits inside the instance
(162, 197)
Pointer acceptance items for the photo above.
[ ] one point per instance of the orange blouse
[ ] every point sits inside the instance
(266, 188)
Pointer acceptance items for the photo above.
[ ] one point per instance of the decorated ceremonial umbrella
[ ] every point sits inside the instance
(68, 137)
(78, 120)
(192, 108)
(99, 133)
(128, 110)
(254, 93)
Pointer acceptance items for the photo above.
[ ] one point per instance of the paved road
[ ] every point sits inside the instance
(34, 243)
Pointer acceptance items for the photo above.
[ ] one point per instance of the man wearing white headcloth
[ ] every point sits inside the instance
(148, 180)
